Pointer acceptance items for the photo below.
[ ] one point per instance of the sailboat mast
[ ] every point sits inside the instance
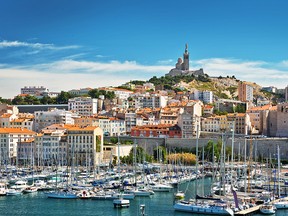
(278, 154)
(232, 153)
(197, 137)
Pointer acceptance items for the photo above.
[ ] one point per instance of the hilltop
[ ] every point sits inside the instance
(222, 87)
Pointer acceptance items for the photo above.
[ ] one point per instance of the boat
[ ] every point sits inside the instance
(179, 195)
(62, 194)
(40, 183)
(84, 194)
(162, 188)
(121, 203)
(3, 189)
(204, 208)
(14, 192)
(129, 196)
(281, 204)
(30, 189)
(140, 192)
(19, 184)
(267, 209)
(207, 197)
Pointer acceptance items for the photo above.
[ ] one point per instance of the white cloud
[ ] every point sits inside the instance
(69, 74)
(67, 66)
(262, 73)
(8, 44)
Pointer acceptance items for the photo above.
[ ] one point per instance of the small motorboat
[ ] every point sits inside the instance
(267, 209)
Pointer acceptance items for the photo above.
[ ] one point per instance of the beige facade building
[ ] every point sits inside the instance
(282, 120)
(85, 144)
(256, 115)
(210, 124)
(241, 123)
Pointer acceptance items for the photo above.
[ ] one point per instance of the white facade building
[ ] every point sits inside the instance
(150, 101)
(205, 96)
(44, 119)
(111, 126)
(84, 106)
(34, 90)
(9, 140)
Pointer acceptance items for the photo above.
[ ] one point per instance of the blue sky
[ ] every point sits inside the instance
(63, 44)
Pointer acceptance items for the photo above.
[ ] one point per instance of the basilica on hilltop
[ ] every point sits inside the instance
(182, 67)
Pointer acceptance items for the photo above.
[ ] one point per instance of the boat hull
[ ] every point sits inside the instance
(203, 209)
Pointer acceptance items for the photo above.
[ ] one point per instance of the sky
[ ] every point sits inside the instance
(72, 44)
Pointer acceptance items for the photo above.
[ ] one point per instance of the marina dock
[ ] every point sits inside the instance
(252, 210)
(248, 211)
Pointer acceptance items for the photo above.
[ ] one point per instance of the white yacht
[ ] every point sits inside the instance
(204, 208)
(281, 204)
(162, 188)
(30, 189)
(19, 185)
(14, 192)
(120, 203)
(3, 189)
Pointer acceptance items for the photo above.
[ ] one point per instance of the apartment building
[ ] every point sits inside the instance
(43, 119)
(245, 92)
(168, 131)
(86, 143)
(241, 121)
(205, 96)
(9, 140)
(84, 106)
(256, 118)
(150, 101)
(34, 90)
(80, 92)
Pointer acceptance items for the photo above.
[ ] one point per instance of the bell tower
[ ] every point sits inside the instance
(186, 59)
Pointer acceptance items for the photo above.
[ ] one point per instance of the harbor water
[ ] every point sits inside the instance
(159, 204)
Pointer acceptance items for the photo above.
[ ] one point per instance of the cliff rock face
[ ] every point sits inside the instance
(222, 87)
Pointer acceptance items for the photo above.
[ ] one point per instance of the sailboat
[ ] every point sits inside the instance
(65, 193)
(209, 207)
(282, 203)
(120, 202)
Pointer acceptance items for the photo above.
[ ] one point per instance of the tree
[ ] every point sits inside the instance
(18, 100)
(137, 82)
(5, 101)
(47, 100)
(240, 108)
(63, 97)
(160, 153)
(30, 99)
(94, 93)
(139, 155)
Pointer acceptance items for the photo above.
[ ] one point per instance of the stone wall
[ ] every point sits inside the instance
(262, 147)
